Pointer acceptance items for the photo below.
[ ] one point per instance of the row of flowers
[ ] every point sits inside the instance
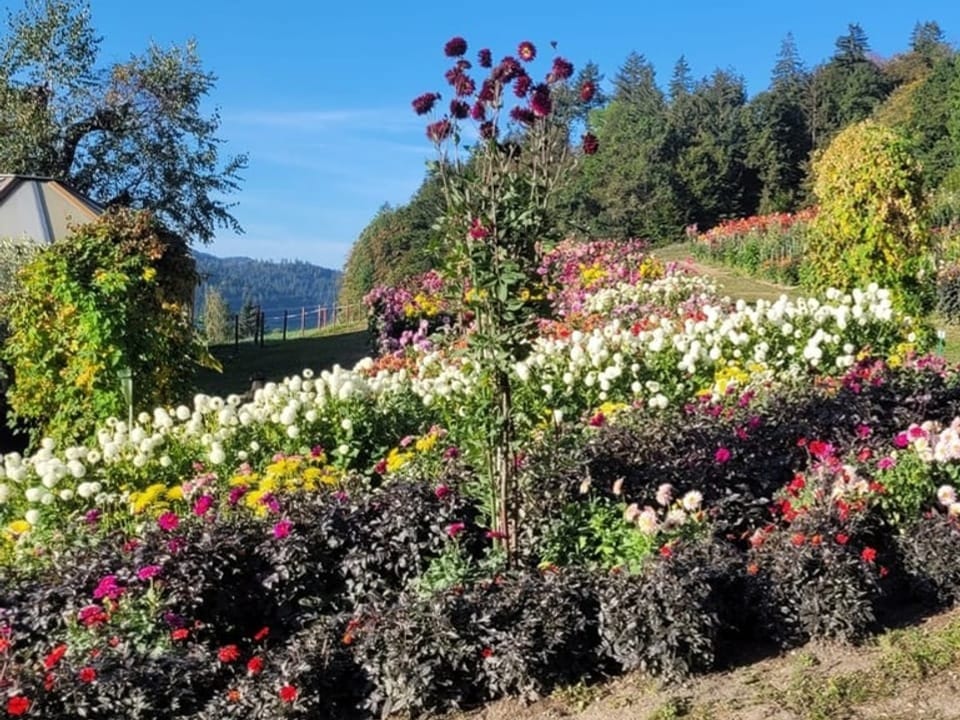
(654, 342)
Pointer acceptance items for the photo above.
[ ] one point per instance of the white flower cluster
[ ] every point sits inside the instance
(82, 477)
(683, 351)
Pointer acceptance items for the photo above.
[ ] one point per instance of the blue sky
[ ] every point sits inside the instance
(318, 93)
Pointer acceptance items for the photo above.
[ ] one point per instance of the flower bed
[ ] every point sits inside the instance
(325, 549)
(767, 246)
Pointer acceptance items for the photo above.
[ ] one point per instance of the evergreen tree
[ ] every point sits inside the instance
(779, 145)
(711, 160)
(846, 89)
(852, 47)
(249, 318)
(927, 40)
(681, 83)
(938, 151)
(628, 177)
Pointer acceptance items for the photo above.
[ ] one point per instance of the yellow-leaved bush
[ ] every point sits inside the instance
(872, 224)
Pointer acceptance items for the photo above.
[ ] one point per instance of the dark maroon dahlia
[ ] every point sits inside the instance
(485, 58)
(455, 47)
(523, 115)
(459, 109)
(526, 51)
(507, 70)
(478, 112)
(590, 144)
(521, 86)
(540, 102)
(587, 91)
(488, 91)
(439, 131)
(488, 131)
(562, 69)
(424, 103)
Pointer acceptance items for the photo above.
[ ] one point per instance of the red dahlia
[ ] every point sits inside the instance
(87, 675)
(18, 705)
(526, 51)
(455, 47)
(288, 693)
(51, 660)
(228, 653)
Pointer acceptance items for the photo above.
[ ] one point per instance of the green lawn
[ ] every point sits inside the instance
(279, 359)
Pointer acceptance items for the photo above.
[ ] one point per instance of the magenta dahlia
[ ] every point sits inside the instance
(526, 51)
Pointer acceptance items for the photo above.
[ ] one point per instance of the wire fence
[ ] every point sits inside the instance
(284, 324)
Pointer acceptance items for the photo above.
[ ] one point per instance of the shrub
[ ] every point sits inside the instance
(928, 551)
(815, 579)
(872, 223)
(668, 620)
(523, 634)
(110, 297)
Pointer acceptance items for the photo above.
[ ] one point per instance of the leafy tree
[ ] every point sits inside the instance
(131, 134)
(396, 244)
(216, 318)
(872, 224)
(111, 296)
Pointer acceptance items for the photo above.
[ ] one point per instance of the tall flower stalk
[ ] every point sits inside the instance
(499, 220)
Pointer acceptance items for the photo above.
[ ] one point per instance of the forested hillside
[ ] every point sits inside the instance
(688, 152)
(272, 285)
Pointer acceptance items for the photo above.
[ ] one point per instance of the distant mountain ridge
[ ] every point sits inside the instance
(274, 286)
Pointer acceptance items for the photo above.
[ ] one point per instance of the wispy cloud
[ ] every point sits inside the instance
(310, 120)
